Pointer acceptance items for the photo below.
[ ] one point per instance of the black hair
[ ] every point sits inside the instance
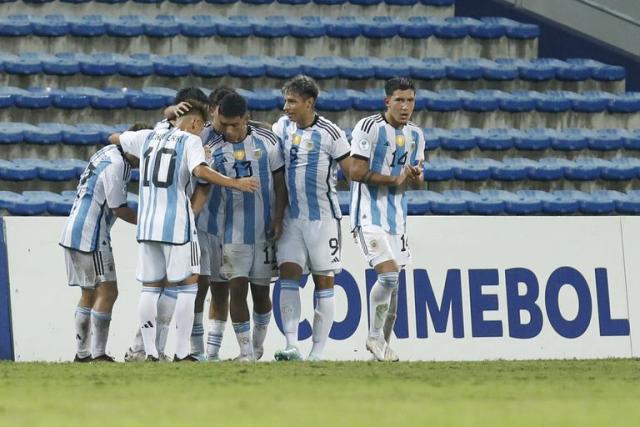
(398, 83)
(139, 126)
(218, 93)
(233, 105)
(190, 93)
(198, 108)
(303, 86)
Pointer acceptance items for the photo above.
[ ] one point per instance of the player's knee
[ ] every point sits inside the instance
(389, 280)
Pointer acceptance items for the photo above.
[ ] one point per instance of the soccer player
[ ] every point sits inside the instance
(387, 151)
(101, 198)
(248, 243)
(312, 147)
(168, 247)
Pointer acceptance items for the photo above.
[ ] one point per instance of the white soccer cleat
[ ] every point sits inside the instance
(288, 354)
(376, 347)
(314, 358)
(390, 355)
(258, 352)
(214, 358)
(135, 356)
(244, 358)
(164, 358)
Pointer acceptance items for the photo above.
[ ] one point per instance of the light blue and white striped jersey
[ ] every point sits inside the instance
(167, 160)
(211, 217)
(248, 216)
(387, 149)
(102, 187)
(311, 157)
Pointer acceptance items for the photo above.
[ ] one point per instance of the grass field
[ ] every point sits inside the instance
(540, 393)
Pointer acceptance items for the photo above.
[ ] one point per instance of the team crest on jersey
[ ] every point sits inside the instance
(364, 144)
(238, 155)
(412, 145)
(257, 153)
(308, 145)
(296, 139)
(400, 140)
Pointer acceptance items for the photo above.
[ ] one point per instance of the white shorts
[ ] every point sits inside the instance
(256, 262)
(88, 269)
(157, 261)
(210, 256)
(316, 245)
(379, 246)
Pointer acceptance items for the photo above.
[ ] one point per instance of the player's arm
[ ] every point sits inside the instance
(205, 173)
(127, 214)
(282, 200)
(172, 112)
(360, 172)
(199, 197)
(114, 138)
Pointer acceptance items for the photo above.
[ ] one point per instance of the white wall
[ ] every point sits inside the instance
(485, 250)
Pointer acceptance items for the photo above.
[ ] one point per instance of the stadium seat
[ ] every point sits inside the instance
(49, 25)
(571, 139)
(441, 168)
(514, 204)
(607, 140)
(417, 202)
(556, 204)
(589, 204)
(124, 26)
(283, 67)
(18, 204)
(586, 168)
(460, 139)
(535, 139)
(87, 25)
(210, 65)
(477, 204)
(496, 139)
(475, 169)
(550, 169)
(441, 204)
(44, 134)
(513, 169)
(621, 169)
(12, 133)
(599, 71)
(344, 199)
(271, 26)
(15, 25)
(513, 29)
(12, 171)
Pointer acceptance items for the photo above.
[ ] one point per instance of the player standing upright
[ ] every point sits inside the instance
(312, 147)
(101, 198)
(386, 150)
(168, 249)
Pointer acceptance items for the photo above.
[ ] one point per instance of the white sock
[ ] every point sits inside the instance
(197, 334)
(322, 320)
(184, 318)
(166, 307)
(214, 338)
(243, 335)
(290, 310)
(82, 321)
(138, 343)
(390, 321)
(100, 332)
(147, 313)
(379, 302)
(260, 326)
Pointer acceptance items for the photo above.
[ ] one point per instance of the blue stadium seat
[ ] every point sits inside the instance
(99, 64)
(221, 1)
(185, 1)
(50, 170)
(622, 169)
(572, 139)
(472, 101)
(11, 132)
(44, 133)
(417, 202)
(590, 204)
(49, 25)
(441, 168)
(631, 139)
(336, 100)
(103, 130)
(34, 98)
(464, 69)
(515, 204)
(345, 26)
(365, 2)
(496, 139)
(15, 171)
(235, 26)
(60, 65)
(628, 102)
(324, 67)
(416, 27)
(461, 139)
(441, 101)
(294, 2)
(73, 99)
(480, 29)
(344, 199)
(607, 139)
(441, 204)
(356, 68)
(431, 69)
(534, 139)
(8, 198)
(381, 27)
(87, 25)
(124, 26)
(586, 168)
(586, 102)
(199, 26)
(513, 169)
(162, 26)
(550, 169)
(136, 65)
(477, 204)
(172, 65)
(330, 2)
(627, 203)
(476, 169)
(283, 67)
(433, 137)
(600, 71)
(7, 95)
(451, 29)
(271, 26)
(150, 98)
(80, 135)
(17, 204)
(247, 66)
(21, 64)
(514, 29)
(210, 65)
(262, 99)
(307, 27)
(557, 204)
(15, 25)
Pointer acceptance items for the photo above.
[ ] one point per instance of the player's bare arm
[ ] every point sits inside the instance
(360, 172)
(243, 184)
(282, 200)
(345, 165)
(127, 214)
(174, 111)
(199, 197)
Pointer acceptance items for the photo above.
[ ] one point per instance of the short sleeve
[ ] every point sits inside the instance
(421, 146)
(276, 160)
(279, 127)
(132, 142)
(195, 153)
(361, 141)
(340, 147)
(115, 188)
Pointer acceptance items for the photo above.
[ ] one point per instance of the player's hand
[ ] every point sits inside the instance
(415, 173)
(401, 179)
(249, 185)
(180, 109)
(277, 228)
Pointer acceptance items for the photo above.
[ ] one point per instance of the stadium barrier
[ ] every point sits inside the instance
(479, 288)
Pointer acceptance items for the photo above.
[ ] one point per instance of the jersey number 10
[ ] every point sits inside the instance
(163, 167)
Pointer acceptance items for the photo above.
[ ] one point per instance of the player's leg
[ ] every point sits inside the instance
(166, 308)
(325, 252)
(401, 253)
(82, 322)
(106, 295)
(236, 265)
(81, 272)
(197, 331)
(218, 313)
(292, 257)
(150, 271)
(184, 267)
(260, 278)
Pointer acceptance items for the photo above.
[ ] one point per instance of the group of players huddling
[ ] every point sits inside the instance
(228, 204)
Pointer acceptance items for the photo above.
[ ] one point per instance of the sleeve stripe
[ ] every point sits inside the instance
(360, 157)
(344, 156)
(330, 128)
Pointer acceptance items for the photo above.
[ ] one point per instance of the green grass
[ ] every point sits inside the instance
(539, 393)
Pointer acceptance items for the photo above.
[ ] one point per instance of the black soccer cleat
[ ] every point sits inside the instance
(104, 358)
(79, 359)
(188, 358)
(151, 358)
